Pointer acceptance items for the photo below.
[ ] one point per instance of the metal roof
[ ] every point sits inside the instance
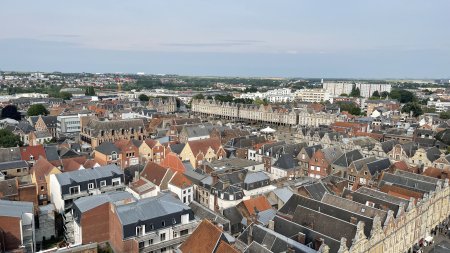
(87, 203)
(15, 208)
(88, 174)
(150, 208)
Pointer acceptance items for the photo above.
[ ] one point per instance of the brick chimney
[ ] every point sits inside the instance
(301, 237)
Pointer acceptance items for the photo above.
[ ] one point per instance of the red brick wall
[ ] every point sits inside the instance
(28, 193)
(10, 232)
(95, 224)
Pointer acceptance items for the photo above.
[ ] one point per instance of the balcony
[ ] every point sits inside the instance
(109, 188)
(75, 195)
(190, 225)
(165, 244)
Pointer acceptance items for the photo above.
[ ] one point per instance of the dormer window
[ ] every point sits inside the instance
(31, 158)
(113, 155)
(102, 183)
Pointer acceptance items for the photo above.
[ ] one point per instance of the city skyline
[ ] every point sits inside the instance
(401, 39)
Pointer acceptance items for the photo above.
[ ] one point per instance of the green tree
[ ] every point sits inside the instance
(384, 94)
(413, 107)
(224, 98)
(143, 98)
(355, 92)
(65, 95)
(376, 94)
(89, 91)
(250, 89)
(444, 115)
(403, 96)
(37, 109)
(198, 96)
(351, 108)
(8, 139)
(10, 111)
(344, 95)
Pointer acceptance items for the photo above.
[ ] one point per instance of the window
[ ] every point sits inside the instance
(312, 167)
(74, 190)
(19, 170)
(162, 237)
(163, 223)
(174, 221)
(139, 231)
(163, 249)
(42, 188)
(175, 234)
(141, 245)
(102, 183)
(184, 232)
(151, 227)
(91, 186)
(116, 181)
(150, 241)
(113, 156)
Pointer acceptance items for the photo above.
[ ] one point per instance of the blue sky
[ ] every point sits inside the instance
(291, 38)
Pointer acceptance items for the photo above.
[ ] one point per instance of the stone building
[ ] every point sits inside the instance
(163, 105)
(94, 131)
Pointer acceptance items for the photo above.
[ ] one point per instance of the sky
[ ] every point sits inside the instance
(276, 38)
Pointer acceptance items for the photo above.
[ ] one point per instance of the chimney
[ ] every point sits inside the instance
(301, 237)
(271, 225)
(290, 250)
(317, 243)
(136, 176)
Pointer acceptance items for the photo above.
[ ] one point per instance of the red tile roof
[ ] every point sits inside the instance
(41, 168)
(173, 162)
(259, 203)
(180, 181)
(154, 173)
(35, 151)
(198, 146)
(203, 240)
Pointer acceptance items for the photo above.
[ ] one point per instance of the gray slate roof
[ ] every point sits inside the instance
(10, 154)
(13, 165)
(107, 148)
(150, 208)
(253, 177)
(87, 203)
(88, 174)
(15, 208)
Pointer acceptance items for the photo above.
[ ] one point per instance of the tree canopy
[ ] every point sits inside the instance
(376, 94)
(198, 96)
(65, 95)
(413, 107)
(10, 111)
(224, 98)
(351, 108)
(143, 98)
(89, 91)
(384, 94)
(355, 92)
(444, 115)
(37, 109)
(403, 96)
(8, 139)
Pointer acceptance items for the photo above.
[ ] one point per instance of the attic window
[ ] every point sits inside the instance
(363, 210)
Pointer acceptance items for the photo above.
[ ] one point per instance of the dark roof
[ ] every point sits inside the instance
(13, 165)
(10, 154)
(233, 214)
(433, 153)
(107, 148)
(291, 229)
(387, 146)
(177, 148)
(51, 152)
(312, 149)
(274, 241)
(347, 158)
(325, 224)
(286, 162)
(8, 188)
(389, 178)
(202, 213)
(378, 165)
